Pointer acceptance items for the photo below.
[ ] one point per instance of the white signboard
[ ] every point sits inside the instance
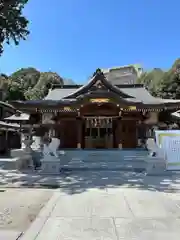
(171, 147)
(160, 134)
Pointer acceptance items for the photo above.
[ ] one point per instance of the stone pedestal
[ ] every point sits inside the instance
(23, 158)
(28, 150)
(50, 165)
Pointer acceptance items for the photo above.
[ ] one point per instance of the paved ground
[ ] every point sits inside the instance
(19, 208)
(80, 181)
(109, 210)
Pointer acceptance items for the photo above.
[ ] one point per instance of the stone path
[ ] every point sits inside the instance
(19, 208)
(10, 234)
(108, 213)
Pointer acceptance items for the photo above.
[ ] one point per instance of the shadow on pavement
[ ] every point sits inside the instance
(76, 182)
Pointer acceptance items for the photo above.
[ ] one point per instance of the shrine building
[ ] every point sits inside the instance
(102, 114)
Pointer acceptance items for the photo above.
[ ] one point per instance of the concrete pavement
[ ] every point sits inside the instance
(111, 213)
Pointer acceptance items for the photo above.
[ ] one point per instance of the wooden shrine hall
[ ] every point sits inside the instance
(99, 114)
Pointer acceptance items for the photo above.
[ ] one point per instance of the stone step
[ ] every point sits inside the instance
(106, 156)
(8, 163)
(101, 160)
(105, 160)
(106, 153)
(54, 167)
(108, 166)
(94, 163)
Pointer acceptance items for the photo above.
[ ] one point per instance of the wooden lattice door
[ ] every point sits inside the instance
(129, 137)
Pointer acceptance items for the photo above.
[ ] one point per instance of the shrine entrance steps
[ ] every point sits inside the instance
(104, 159)
(125, 160)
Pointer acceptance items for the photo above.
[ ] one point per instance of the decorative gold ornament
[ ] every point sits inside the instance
(67, 109)
(132, 107)
(99, 100)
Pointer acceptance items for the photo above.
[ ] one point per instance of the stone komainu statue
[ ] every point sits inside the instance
(51, 145)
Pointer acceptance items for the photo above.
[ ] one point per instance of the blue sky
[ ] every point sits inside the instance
(74, 37)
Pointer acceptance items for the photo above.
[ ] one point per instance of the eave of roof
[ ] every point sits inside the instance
(176, 114)
(5, 104)
(46, 102)
(9, 125)
(15, 117)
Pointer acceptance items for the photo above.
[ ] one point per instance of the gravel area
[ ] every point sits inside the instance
(19, 207)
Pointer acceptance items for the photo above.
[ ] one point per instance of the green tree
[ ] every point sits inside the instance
(13, 25)
(151, 80)
(28, 84)
(4, 82)
(14, 92)
(169, 86)
(41, 88)
(20, 81)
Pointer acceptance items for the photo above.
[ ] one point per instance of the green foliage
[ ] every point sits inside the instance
(14, 92)
(25, 77)
(164, 84)
(28, 84)
(169, 86)
(13, 25)
(4, 85)
(43, 84)
(3, 81)
(151, 80)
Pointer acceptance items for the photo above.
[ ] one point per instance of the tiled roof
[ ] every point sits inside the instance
(59, 93)
(141, 94)
(138, 94)
(8, 125)
(176, 114)
(21, 117)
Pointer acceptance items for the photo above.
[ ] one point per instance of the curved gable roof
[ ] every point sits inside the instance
(98, 78)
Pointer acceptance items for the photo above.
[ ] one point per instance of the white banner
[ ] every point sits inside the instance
(160, 134)
(171, 146)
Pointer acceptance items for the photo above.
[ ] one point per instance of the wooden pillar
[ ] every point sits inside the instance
(79, 133)
(119, 133)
